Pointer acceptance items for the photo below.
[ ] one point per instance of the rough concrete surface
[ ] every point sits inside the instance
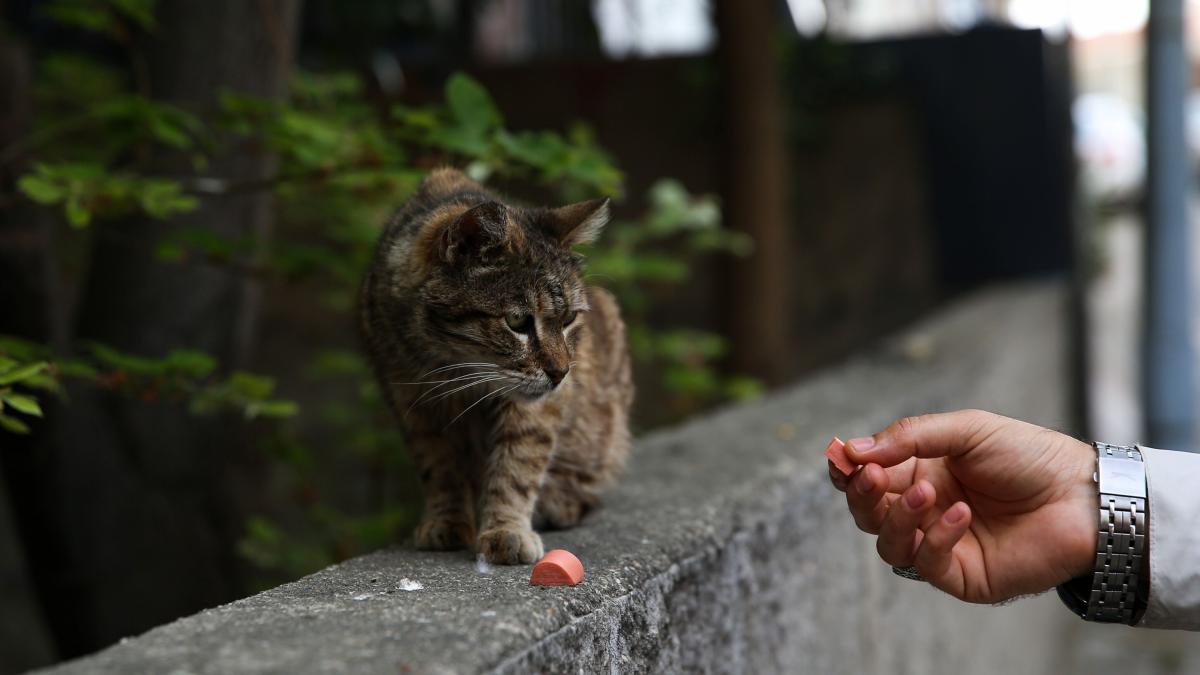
(724, 550)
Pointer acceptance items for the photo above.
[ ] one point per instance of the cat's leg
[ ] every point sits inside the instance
(446, 523)
(567, 495)
(590, 454)
(522, 446)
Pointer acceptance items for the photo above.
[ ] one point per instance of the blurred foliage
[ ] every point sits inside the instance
(112, 18)
(345, 163)
(183, 376)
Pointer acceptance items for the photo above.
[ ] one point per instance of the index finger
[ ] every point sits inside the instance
(839, 479)
(927, 436)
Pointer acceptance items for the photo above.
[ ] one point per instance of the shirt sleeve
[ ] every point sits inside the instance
(1173, 480)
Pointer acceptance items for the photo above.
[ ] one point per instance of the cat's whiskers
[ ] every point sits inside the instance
(453, 379)
(458, 365)
(480, 400)
(474, 377)
(451, 392)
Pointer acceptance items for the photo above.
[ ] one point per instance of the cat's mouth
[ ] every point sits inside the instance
(533, 389)
(533, 392)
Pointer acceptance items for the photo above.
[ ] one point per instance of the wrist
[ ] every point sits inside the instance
(1083, 500)
(1115, 593)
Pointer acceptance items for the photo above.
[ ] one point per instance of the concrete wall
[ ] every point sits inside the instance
(724, 550)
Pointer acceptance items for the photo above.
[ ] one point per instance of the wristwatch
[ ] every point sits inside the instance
(1112, 593)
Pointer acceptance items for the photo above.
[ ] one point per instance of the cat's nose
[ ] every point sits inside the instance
(556, 373)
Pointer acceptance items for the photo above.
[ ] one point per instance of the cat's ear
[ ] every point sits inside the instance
(477, 230)
(580, 223)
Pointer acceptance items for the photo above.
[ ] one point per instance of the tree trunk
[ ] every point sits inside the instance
(755, 187)
(130, 510)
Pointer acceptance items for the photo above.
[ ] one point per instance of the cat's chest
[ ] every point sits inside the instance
(474, 430)
(470, 430)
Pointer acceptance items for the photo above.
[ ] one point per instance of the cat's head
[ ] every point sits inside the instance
(503, 290)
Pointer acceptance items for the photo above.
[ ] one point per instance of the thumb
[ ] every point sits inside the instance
(939, 435)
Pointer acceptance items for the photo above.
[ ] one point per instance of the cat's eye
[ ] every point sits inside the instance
(520, 323)
(569, 318)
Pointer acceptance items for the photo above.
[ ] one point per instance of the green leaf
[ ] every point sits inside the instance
(21, 350)
(77, 215)
(73, 81)
(78, 369)
(42, 383)
(40, 190)
(170, 251)
(140, 12)
(272, 409)
(89, 16)
(326, 88)
(338, 363)
(691, 345)
(162, 198)
(255, 387)
(21, 372)
(103, 17)
(471, 105)
(191, 363)
(134, 364)
(542, 150)
(22, 403)
(13, 424)
(696, 381)
(741, 388)
(422, 118)
(169, 134)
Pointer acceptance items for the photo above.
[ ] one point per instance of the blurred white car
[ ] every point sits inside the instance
(1110, 142)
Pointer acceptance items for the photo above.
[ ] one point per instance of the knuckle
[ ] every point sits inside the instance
(933, 549)
(886, 549)
(929, 563)
(864, 519)
(972, 418)
(906, 425)
(907, 429)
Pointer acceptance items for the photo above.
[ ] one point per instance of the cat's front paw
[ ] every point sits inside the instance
(440, 534)
(510, 546)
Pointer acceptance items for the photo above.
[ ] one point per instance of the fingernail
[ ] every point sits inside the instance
(915, 497)
(862, 444)
(955, 515)
(864, 483)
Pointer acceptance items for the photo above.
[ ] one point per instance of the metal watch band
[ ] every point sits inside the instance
(1121, 534)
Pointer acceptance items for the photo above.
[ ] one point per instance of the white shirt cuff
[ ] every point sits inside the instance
(1173, 480)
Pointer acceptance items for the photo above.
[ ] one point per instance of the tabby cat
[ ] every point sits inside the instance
(510, 377)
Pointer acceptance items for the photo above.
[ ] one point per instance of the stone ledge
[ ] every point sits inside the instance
(723, 550)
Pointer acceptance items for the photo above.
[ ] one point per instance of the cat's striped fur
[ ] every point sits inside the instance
(510, 377)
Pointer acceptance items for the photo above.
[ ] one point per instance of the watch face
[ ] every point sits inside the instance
(1125, 477)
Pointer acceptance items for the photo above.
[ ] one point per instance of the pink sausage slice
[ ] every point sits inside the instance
(836, 453)
(557, 568)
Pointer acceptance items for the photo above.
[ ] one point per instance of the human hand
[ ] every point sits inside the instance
(986, 507)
